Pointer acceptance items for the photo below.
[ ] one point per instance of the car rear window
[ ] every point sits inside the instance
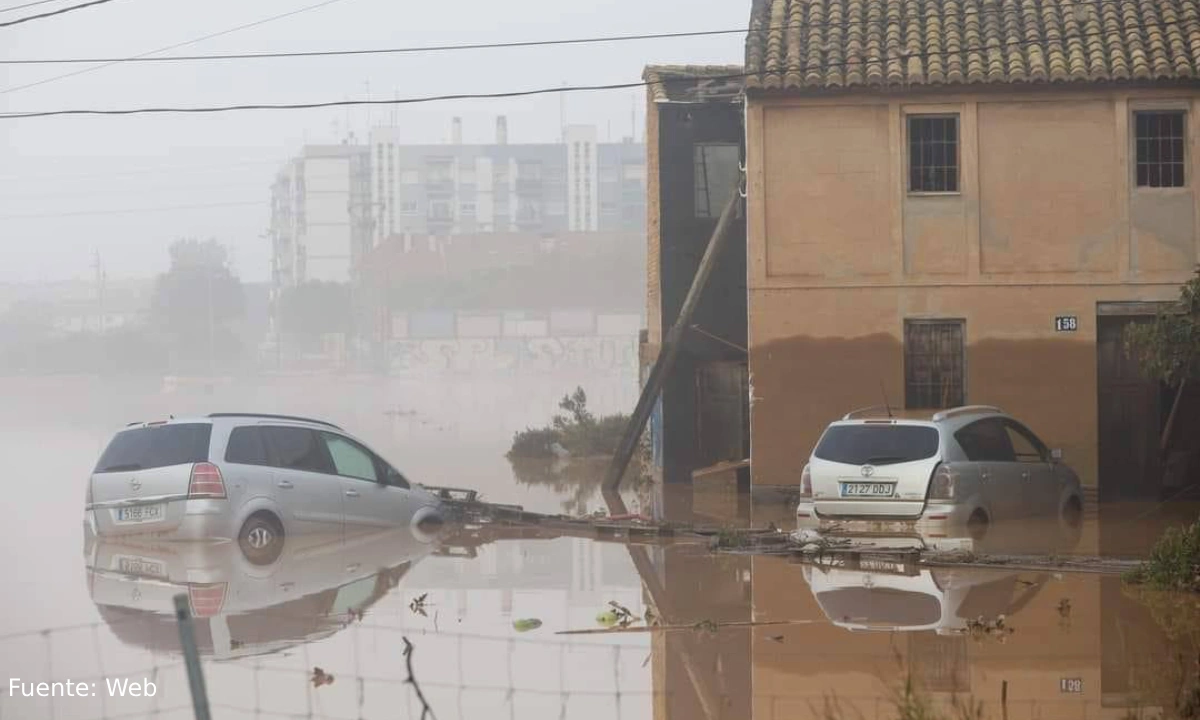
(156, 446)
(877, 444)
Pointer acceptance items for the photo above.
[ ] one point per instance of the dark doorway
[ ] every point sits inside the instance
(1130, 409)
(723, 412)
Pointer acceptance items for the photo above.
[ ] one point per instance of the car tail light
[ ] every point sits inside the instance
(206, 482)
(806, 482)
(943, 485)
(206, 600)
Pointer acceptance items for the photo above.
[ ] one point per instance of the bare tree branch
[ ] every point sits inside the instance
(426, 710)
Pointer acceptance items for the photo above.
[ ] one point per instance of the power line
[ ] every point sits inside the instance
(126, 211)
(10, 8)
(494, 45)
(545, 90)
(381, 51)
(185, 43)
(52, 13)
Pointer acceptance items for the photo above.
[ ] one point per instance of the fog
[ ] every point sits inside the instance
(91, 181)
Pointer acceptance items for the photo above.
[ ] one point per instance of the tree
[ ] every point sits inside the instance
(315, 308)
(196, 303)
(1168, 349)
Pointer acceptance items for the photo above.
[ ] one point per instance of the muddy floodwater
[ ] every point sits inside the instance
(494, 619)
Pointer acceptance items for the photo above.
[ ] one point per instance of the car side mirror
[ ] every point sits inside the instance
(1056, 455)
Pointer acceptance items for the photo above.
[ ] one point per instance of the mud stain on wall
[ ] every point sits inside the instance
(802, 384)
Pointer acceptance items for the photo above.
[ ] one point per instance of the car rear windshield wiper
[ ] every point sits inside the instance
(121, 468)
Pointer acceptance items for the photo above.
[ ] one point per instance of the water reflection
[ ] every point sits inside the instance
(317, 586)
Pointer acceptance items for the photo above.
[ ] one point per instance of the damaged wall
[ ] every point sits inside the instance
(1046, 222)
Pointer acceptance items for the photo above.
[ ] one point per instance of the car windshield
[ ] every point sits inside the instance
(156, 446)
(877, 444)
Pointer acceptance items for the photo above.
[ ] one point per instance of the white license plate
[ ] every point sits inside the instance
(140, 566)
(859, 489)
(141, 513)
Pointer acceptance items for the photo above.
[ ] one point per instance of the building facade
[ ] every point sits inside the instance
(966, 203)
(694, 146)
(577, 185)
(317, 219)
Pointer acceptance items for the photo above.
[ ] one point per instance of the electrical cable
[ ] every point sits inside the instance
(185, 43)
(22, 6)
(902, 57)
(490, 45)
(52, 13)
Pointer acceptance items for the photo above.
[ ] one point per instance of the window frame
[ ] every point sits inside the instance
(268, 451)
(273, 451)
(382, 467)
(992, 420)
(700, 185)
(906, 130)
(1032, 438)
(1180, 107)
(904, 351)
(323, 434)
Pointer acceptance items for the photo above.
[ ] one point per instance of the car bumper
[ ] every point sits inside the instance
(935, 518)
(196, 519)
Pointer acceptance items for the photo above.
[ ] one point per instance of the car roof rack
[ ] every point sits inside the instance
(967, 410)
(868, 410)
(268, 416)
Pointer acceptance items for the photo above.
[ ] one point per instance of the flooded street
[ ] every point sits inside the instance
(320, 632)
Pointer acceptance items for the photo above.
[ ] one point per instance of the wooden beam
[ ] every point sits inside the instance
(670, 348)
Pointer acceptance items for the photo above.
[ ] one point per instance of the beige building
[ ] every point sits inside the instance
(965, 202)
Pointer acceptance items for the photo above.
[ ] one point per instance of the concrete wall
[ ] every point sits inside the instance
(1047, 223)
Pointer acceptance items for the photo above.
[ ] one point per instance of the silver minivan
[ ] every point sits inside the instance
(965, 466)
(253, 478)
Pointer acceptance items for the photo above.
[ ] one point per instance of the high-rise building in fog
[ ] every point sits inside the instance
(319, 213)
(456, 188)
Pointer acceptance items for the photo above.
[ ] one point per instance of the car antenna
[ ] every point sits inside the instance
(887, 405)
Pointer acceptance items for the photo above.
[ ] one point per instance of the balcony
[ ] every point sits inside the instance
(440, 187)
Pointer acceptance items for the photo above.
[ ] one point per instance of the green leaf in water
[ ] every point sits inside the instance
(527, 624)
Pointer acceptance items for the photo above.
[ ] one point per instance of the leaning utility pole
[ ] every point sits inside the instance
(670, 349)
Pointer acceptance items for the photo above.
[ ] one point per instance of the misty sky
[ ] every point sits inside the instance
(64, 167)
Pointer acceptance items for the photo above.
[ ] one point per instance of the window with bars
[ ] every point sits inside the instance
(932, 153)
(933, 364)
(1159, 137)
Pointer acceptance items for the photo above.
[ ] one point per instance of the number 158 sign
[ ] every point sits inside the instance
(1066, 323)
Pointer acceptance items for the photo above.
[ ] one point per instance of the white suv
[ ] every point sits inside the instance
(966, 466)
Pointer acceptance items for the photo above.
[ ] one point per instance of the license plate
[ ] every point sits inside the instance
(140, 566)
(857, 489)
(141, 513)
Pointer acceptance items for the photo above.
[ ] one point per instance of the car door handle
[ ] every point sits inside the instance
(285, 484)
(353, 568)
(1024, 474)
(351, 493)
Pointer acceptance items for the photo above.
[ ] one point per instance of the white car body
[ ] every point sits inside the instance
(965, 467)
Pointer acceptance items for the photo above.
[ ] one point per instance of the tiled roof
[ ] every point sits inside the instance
(694, 83)
(818, 44)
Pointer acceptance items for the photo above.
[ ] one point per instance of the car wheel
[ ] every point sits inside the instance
(977, 525)
(1072, 522)
(1072, 513)
(261, 539)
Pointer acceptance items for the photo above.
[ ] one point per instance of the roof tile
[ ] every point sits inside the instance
(814, 44)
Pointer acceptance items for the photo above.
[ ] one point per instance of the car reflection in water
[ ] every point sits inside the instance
(899, 597)
(313, 589)
(885, 590)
